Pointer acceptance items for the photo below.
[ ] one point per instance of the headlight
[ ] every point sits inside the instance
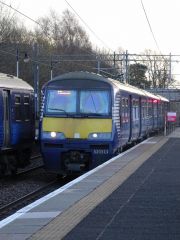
(103, 136)
(53, 135)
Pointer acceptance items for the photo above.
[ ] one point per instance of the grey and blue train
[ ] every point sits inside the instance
(87, 119)
(16, 123)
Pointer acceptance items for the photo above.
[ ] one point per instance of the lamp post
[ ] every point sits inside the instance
(25, 59)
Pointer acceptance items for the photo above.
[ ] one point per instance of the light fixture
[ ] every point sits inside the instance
(26, 58)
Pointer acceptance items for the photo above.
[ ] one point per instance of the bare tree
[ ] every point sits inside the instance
(12, 30)
(157, 69)
(64, 33)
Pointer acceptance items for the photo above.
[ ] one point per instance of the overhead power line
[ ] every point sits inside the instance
(90, 29)
(36, 22)
(31, 19)
(150, 26)
(21, 13)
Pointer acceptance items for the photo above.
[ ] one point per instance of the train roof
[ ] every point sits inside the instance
(93, 76)
(12, 82)
(163, 98)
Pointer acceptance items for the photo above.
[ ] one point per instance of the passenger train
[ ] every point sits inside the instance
(16, 123)
(86, 119)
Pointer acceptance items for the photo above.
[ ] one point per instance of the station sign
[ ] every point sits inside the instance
(171, 116)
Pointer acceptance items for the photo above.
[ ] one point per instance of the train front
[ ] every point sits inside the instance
(76, 127)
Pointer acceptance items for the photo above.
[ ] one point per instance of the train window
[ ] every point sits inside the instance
(123, 102)
(26, 99)
(61, 101)
(143, 112)
(26, 108)
(127, 102)
(149, 107)
(161, 108)
(18, 114)
(155, 109)
(94, 102)
(126, 110)
(137, 109)
(144, 109)
(17, 100)
(133, 109)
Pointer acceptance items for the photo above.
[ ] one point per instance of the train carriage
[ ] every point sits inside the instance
(87, 118)
(16, 123)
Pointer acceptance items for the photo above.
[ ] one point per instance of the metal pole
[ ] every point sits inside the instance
(17, 62)
(36, 79)
(51, 69)
(165, 124)
(51, 74)
(37, 66)
(114, 61)
(126, 67)
(169, 68)
(127, 80)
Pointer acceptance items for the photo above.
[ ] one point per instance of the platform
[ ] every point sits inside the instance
(135, 195)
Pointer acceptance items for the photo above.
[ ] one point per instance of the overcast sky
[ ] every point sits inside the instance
(118, 23)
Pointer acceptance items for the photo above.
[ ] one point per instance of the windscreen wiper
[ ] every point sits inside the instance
(97, 114)
(59, 109)
(92, 114)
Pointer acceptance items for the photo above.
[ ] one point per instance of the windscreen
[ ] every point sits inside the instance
(78, 102)
(61, 101)
(94, 102)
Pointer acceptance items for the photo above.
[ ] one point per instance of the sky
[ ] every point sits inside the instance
(118, 23)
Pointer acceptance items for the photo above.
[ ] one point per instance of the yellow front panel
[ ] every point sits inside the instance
(72, 126)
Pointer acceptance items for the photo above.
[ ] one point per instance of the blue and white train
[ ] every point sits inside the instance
(16, 123)
(87, 119)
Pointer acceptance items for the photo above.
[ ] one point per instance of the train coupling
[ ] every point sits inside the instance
(76, 161)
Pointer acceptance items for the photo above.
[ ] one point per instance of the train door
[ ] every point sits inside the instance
(124, 119)
(135, 117)
(130, 118)
(6, 118)
(140, 116)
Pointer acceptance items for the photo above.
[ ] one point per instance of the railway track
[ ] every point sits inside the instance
(33, 166)
(28, 186)
(17, 204)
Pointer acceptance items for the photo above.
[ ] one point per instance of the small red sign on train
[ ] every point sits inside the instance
(171, 116)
